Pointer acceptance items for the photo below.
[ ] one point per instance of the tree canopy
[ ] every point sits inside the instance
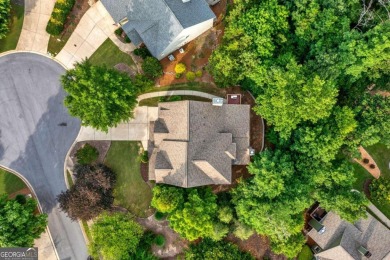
(5, 12)
(90, 194)
(19, 223)
(101, 97)
(166, 198)
(115, 236)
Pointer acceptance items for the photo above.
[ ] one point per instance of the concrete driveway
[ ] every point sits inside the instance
(33, 142)
(34, 36)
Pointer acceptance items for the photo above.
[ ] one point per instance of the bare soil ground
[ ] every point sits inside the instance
(23, 191)
(174, 244)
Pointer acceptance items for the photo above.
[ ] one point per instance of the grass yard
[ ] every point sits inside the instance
(10, 183)
(17, 15)
(109, 54)
(130, 191)
(152, 102)
(197, 86)
(305, 254)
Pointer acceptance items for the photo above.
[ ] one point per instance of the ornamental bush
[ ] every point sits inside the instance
(159, 240)
(87, 154)
(143, 52)
(152, 67)
(180, 68)
(380, 190)
(198, 73)
(60, 13)
(5, 12)
(190, 76)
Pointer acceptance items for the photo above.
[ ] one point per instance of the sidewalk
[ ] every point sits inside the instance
(93, 29)
(34, 36)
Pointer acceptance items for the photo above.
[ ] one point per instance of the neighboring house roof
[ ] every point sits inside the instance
(157, 22)
(195, 143)
(341, 240)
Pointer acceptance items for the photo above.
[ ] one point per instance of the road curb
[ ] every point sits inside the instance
(36, 197)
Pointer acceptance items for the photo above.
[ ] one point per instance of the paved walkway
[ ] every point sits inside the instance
(134, 130)
(177, 93)
(34, 36)
(93, 29)
(379, 214)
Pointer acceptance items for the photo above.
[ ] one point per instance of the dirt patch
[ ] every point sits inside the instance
(131, 71)
(375, 172)
(145, 171)
(366, 188)
(101, 146)
(196, 53)
(23, 191)
(174, 244)
(258, 246)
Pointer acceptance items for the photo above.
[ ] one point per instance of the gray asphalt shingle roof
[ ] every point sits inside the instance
(157, 22)
(341, 239)
(209, 132)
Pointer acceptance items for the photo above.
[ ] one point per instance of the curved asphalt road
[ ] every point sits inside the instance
(32, 141)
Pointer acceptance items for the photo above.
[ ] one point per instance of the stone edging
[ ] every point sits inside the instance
(36, 197)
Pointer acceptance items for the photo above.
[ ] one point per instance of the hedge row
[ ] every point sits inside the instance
(58, 17)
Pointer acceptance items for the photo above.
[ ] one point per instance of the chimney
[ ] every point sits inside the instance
(364, 252)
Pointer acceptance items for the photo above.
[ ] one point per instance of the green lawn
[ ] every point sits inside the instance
(381, 154)
(305, 254)
(10, 183)
(197, 86)
(130, 191)
(152, 102)
(109, 54)
(17, 15)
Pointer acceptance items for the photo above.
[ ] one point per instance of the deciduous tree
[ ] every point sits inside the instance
(19, 223)
(5, 10)
(167, 198)
(101, 97)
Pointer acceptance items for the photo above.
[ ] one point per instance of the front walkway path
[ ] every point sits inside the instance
(34, 36)
(177, 93)
(379, 214)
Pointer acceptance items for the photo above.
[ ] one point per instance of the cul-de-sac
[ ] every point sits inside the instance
(194, 129)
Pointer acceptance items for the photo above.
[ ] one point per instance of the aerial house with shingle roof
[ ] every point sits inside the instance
(162, 25)
(194, 143)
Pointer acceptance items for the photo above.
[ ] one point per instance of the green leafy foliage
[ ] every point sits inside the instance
(180, 68)
(87, 154)
(5, 14)
(190, 76)
(242, 231)
(143, 52)
(114, 237)
(289, 247)
(99, 96)
(225, 214)
(90, 194)
(159, 215)
(19, 223)
(380, 190)
(167, 198)
(305, 254)
(196, 216)
(58, 17)
(159, 240)
(152, 67)
(208, 249)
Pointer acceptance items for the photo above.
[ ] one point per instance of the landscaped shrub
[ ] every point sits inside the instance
(242, 231)
(190, 76)
(87, 154)
(159, 215)
(198, 73)
(365, 160)
(305, 254)
(152, 67)
(127, 39)
(380, 190)
(145, 157)
(159, 240)
(143, 52)
(21, 199)
(5, 13)
(372, 166)
(180, 68)
(143, 83)
(119, 31)
(61, 10)
(177, 76)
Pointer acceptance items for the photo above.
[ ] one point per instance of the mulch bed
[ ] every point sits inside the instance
(145, 171)
(366, 188)
(101, 146)
(258, 246)
(196, 53)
